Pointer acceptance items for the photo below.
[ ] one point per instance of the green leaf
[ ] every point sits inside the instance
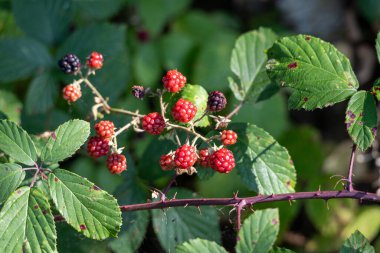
(356, 243)
(263, 164)
(20, 57)
(155, 20)
(281, 250)
(13, 218)
(97, 9)
(89, 210)
(16, 143)
(105, 38)
(200, 245)
(214, 52)
(361, 119)
(11, 176)
(198, 96)
(317, 72)
(176, 225)
(41, 235)
(10, 105)
(65, 140)
(42, 93)
(26, 219)
(45, 20)
(259, 232)
(175, 50)
(248, 60)
(378, 45)
(146, 65)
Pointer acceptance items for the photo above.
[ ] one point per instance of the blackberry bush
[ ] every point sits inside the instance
(196, 133)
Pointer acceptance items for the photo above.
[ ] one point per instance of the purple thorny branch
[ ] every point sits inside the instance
(240, 203)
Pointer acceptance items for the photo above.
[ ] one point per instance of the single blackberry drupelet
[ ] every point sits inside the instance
(70, 64)
(216, 101)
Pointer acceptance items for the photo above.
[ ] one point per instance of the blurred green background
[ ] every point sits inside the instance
(140, 41)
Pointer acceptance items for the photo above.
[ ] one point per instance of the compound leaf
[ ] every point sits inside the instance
(15, 142)
(45, 20)
(86, 207)
(20, 57)
(317, 72)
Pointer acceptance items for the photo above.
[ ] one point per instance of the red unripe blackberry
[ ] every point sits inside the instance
(216, 101)
(71, 93)
(153, 123)
(116, 163)
(105, 129)
(167, 162)
(70, 64)
(98, 146)
(185, 156)
(204, 156)
(222, 160)
(228, 137)
(95, 60)
(138, 91)
(174, 81)
(184, 111)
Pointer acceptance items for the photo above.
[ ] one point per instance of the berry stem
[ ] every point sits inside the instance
(200, 118)
(34, 178)
(239, 208)
(162, 106)
(167, 188)
(134, 121)
(97, 93)
(122, 111)
(236, 110)
(349, 185)
(188, 131)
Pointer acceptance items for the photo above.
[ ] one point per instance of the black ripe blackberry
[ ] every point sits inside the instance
(216, 101)
(70, 64)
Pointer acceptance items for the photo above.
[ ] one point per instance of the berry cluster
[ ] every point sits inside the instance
(99, 145)
(182, 110)
(70, 64)
(221, 160)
